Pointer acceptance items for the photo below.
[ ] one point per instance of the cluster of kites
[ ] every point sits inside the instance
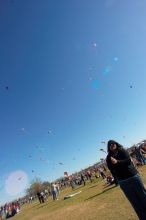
(95, 85)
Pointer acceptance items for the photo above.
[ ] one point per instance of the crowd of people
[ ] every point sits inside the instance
(9, 210)
(139, 154)
(53, 191)
(123, 169)
(123, 172)
(73, 181)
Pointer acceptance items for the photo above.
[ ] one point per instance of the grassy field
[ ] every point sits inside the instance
(94, 202)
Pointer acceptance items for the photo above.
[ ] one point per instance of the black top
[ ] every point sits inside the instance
(124, 168)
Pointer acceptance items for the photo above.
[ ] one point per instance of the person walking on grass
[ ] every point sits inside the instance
(119, 162)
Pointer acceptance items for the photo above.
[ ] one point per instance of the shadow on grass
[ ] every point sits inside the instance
(39, 205)
(47, 203)
(92, 186)
(42, 206)
(98, 194)
(36, 205)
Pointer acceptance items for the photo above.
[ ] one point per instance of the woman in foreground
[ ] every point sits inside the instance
(119, 163)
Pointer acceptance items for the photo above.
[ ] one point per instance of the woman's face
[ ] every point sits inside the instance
(113, 147)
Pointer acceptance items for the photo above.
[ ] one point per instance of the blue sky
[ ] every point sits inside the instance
(72, 74)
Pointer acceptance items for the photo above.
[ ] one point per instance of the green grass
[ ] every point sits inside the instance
(95, 202)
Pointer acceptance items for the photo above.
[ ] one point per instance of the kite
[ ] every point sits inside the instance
(103, 142)
(50, 131)
(24, 131)
(43, 160)
(102, 150)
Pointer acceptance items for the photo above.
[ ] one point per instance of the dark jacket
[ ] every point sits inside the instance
(124, 168)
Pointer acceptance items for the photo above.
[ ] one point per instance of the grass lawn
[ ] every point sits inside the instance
(94, 202)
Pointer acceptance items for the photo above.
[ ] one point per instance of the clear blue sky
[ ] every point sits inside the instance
(76, 69)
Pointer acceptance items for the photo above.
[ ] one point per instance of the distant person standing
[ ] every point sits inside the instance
(83, 179)
(57, 188)
(119, 162)
(89, 175)
(101, 172)
(54, 191)
(39, 197)
(138, 155)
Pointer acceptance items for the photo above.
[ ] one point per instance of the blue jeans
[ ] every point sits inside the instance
(135, 192)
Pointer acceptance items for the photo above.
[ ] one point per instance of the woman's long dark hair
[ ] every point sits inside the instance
(113, 142)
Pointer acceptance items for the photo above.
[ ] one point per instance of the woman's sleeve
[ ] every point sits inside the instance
(109, 165)
(126, 157)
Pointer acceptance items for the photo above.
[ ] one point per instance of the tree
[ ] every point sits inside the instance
(45, 185)
(37, 186)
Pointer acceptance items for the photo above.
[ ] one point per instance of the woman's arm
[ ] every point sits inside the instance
(126, 156)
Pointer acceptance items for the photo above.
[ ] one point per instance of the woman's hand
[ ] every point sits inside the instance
(113, 160)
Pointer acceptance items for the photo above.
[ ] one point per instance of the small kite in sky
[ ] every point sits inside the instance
(20, 178)
(102, 150)
(60, 163)
(131, 87)
(103, 142)
(43, 160)
(32, 171)
(50, 132)
(24, 131)
(6, 87)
